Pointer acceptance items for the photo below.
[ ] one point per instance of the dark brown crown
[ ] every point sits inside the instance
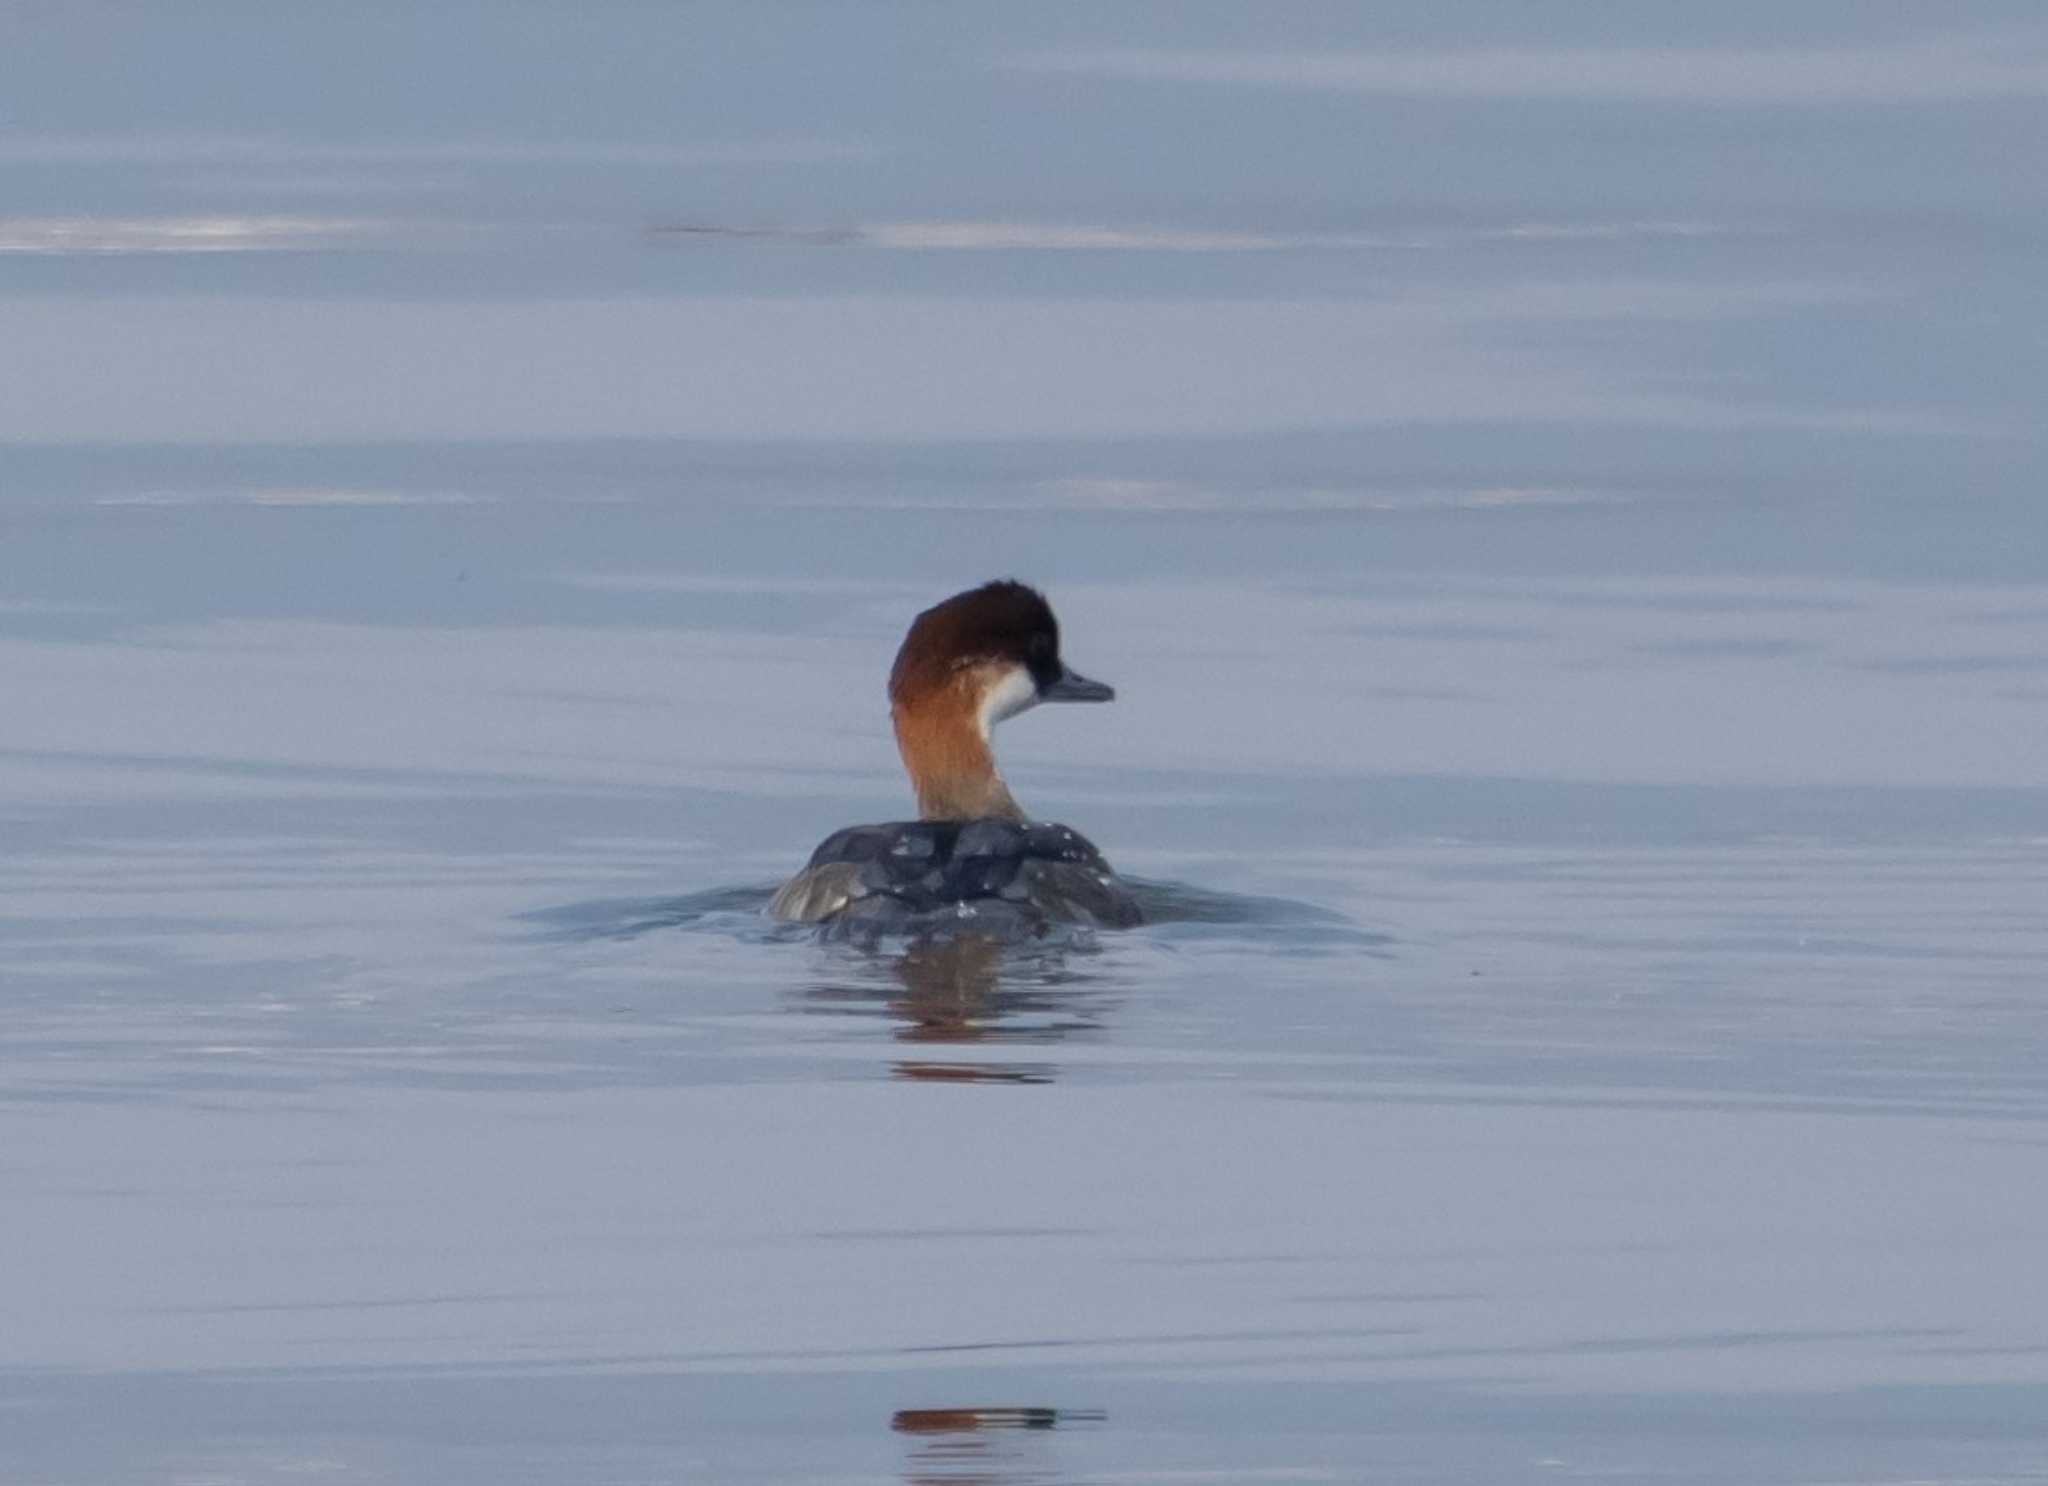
(1001, 621)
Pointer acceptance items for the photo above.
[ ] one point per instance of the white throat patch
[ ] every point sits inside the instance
(1013, 694)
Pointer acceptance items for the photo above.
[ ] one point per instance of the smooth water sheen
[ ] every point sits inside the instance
(1558, 494)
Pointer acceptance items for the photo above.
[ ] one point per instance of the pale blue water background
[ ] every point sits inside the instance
(1558, 490)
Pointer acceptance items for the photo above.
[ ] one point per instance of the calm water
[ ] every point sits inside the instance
(1560, 499)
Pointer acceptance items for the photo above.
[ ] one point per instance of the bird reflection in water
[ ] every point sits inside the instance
(980, 1446)
(969, 990)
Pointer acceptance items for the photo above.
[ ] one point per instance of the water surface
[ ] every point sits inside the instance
(1560, 506)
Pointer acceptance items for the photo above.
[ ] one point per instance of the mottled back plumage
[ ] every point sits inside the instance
(920, 873)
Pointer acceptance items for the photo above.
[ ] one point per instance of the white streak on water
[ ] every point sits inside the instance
(185, 234)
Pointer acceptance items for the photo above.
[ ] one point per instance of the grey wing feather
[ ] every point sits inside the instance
(818, 892)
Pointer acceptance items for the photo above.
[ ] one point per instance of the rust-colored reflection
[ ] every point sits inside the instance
(978, 1073)
(952, 993)
(949, 990)
(964, 991)
(967, 1446)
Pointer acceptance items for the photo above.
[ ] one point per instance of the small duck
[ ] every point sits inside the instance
(972, 860)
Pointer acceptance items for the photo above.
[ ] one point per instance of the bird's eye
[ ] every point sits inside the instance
(1041, 646)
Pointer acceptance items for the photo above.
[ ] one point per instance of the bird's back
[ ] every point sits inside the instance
(999, 876)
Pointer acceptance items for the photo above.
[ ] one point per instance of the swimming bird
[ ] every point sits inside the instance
(972, 860)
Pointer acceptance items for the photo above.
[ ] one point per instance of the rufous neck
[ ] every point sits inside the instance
(951, 767)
